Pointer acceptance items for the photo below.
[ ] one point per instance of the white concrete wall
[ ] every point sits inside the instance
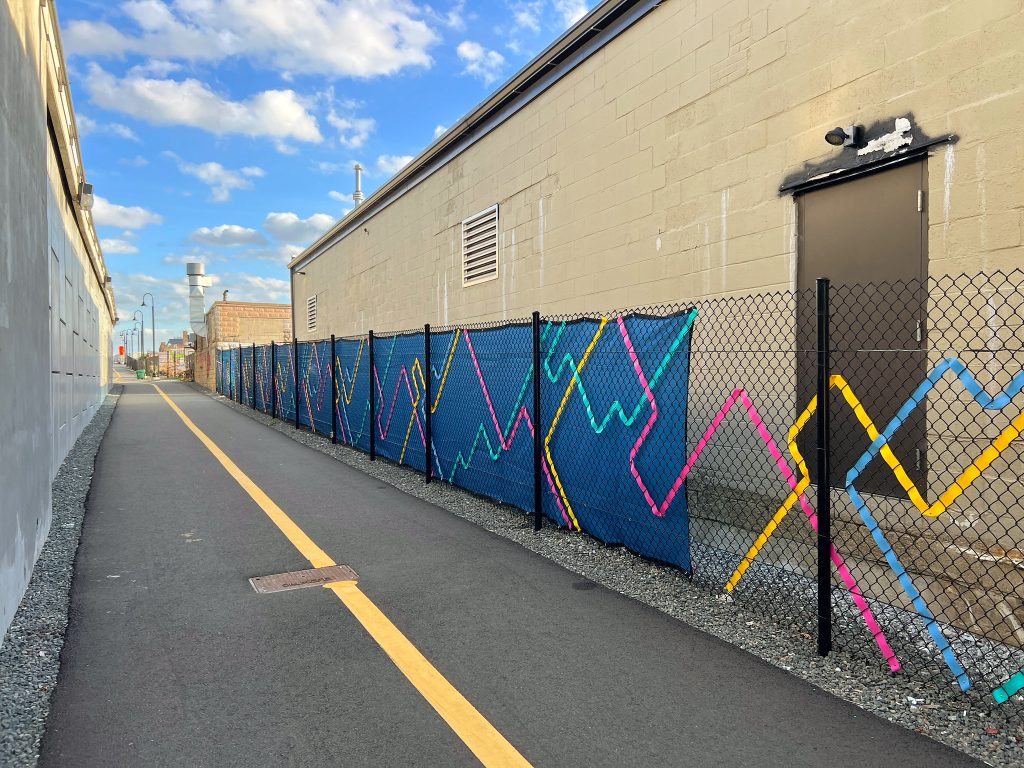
(55, 320)
(79, 327)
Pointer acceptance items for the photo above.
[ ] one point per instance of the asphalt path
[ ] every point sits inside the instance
(172, 659)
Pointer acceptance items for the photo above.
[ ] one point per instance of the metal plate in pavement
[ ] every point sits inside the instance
(314, 577)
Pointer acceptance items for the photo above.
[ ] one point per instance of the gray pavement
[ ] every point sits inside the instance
(172, 659)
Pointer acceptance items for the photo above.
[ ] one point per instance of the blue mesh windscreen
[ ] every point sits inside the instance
(614, 406)
(353, 383)
(245, 362)
(482, 389)
(285, 382)
(614, 399)
(398, 386)
(262, 379)
(315, 386)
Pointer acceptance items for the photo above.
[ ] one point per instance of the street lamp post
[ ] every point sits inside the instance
(136, 329)
(152, 325)
(142, 334)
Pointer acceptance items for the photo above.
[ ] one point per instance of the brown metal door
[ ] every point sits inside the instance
(868, 236)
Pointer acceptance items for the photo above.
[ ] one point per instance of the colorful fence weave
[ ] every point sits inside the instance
(686, 434)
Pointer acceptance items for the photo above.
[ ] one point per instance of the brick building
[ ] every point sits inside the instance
(235, 323)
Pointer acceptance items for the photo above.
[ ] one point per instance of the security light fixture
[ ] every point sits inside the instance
(85, 196)
(850, 136)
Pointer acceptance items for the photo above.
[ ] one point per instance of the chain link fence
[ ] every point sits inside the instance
(695, 435)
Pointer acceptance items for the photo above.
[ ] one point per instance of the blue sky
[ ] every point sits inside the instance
(225, 131)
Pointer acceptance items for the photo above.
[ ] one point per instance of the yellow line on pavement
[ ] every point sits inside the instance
(292, 532)
(482, 738)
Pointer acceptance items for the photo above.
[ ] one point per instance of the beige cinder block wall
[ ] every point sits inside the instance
(651, 172)
(239, 323)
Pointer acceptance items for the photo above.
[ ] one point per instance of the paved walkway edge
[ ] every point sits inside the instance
(901, 699)
(30, 654)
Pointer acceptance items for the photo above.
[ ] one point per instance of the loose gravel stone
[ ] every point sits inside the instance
(30, 654)
(943, 713)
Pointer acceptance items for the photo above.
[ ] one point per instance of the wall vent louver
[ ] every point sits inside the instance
(480, 247)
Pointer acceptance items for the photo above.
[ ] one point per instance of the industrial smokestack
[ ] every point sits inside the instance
(196, 297)
(357, 196)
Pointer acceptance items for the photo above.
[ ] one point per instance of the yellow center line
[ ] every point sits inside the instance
(482, 738)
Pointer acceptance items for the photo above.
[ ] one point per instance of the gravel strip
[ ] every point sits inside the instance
(30, 654)
(963, 721)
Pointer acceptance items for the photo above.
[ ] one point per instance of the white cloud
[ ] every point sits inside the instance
(352, 131)
(453, 18)
(206, 257)
(341, 197)
(275, 114)
(123, 131)
(135, 162)
(327, 168)
(571, 11)
(392, 164)
(222, 181)
(108, 214)
(439, 131)
(528, 15)
(338, 38)
(227, 235)
(279, 254)
(111, 245)
(171, 298)
(86, 126)
(480, 62)
(289, 228)
(248, 287)
(158, 67)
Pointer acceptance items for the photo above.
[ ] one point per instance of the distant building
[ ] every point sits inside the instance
(233, 323)
(56, 303)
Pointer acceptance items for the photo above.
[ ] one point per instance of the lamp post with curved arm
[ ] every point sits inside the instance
(136, 333)
(152, 327)
(141, 317)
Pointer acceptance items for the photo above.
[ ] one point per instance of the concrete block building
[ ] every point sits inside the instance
(673, 150)
(56, 301)
(686, 150)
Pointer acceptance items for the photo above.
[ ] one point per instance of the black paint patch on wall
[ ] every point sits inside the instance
(846, 161)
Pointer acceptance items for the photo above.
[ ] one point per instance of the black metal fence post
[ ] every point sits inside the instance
(238, 375)
(334, 393)
(295, 369)
(252, 403)
(373, 415)
(824, 450)
(428, 422)
(273, 380)
(538, 467)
